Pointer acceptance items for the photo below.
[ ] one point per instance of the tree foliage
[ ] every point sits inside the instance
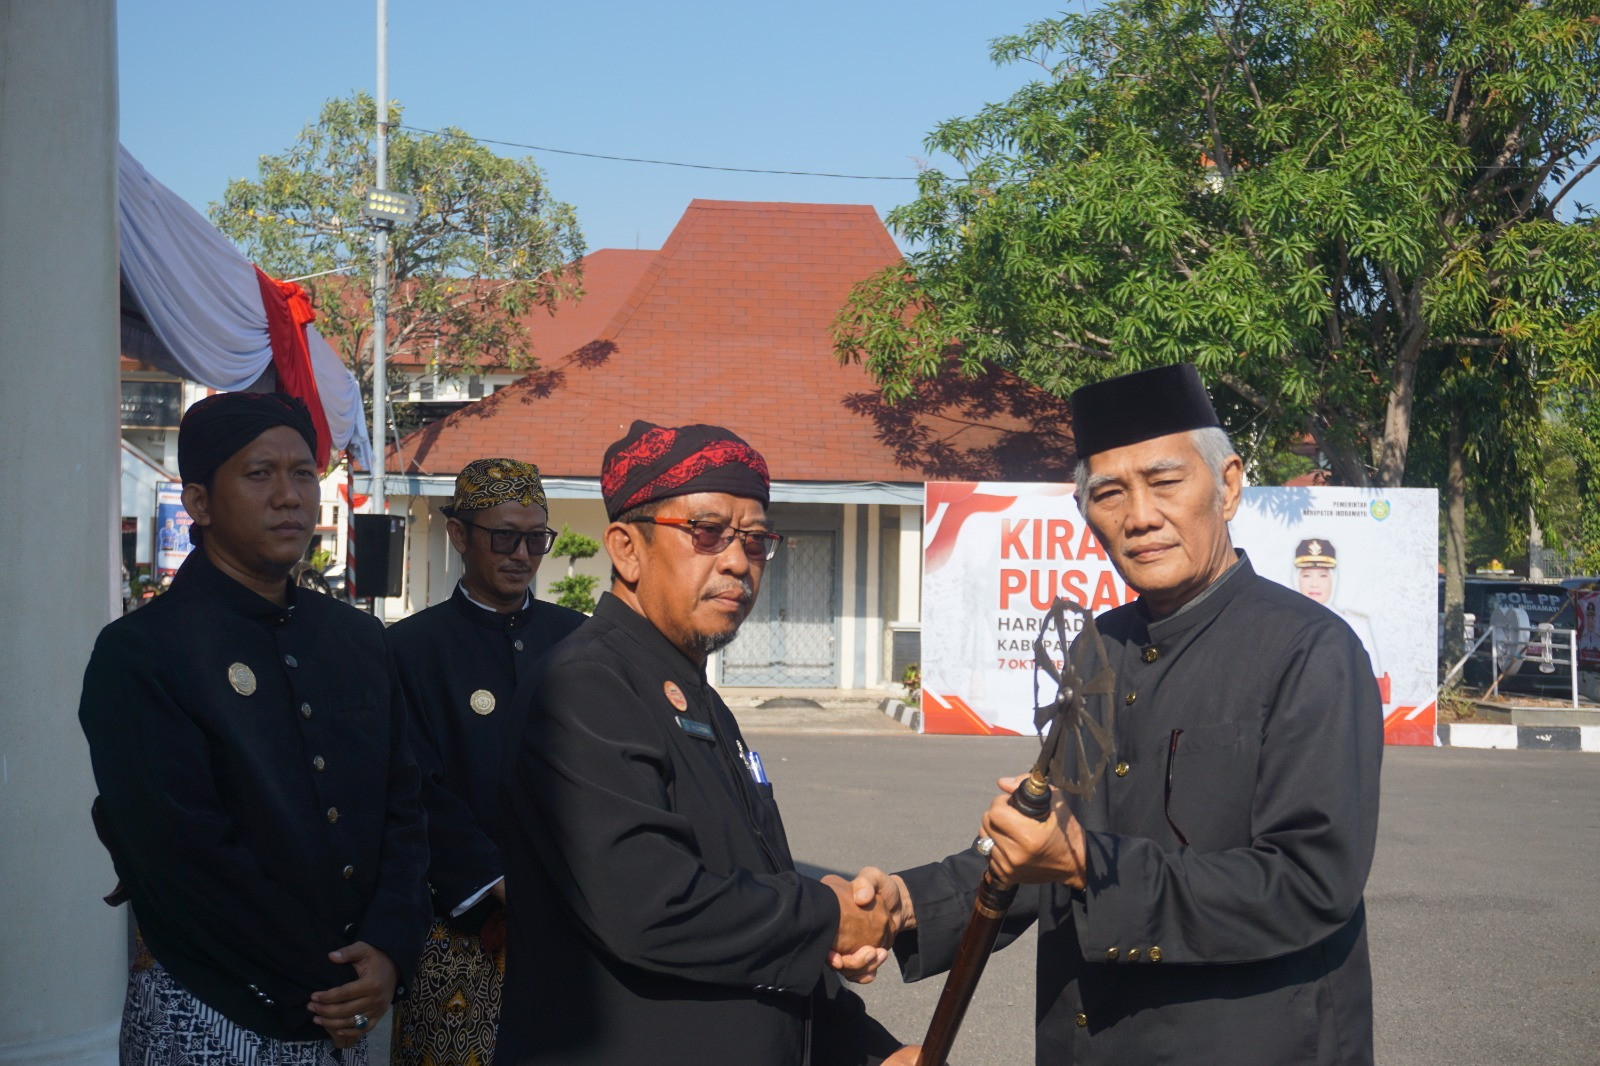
(488, 246)
(575, 590)
(1572, 520)
(1326, 204)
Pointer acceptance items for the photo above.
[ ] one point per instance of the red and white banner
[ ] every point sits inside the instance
(997, 553)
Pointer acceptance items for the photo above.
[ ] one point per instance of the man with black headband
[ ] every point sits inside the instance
(460, 662)
(1206, 904)
(655, 912)
(257, 796)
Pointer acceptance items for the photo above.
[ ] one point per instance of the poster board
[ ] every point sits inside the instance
(1586, 607)
(172, 528)
(997, 553)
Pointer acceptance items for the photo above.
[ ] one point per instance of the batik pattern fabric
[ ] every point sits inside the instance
(656, 462)
(163, 1024)
(453, 1013)
(485, 483)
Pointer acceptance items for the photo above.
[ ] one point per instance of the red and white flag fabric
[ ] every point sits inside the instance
(195, 307)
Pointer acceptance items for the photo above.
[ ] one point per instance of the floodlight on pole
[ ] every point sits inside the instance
(387, 209)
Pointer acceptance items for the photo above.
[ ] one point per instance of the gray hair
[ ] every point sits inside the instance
(1210, 441)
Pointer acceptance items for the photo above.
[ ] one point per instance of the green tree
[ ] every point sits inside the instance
(1572, 521)
(1314, 200)
(574, 590)
(1328, 205)
(489, 243)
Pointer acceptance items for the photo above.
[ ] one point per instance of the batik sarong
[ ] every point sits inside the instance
(453, 1012)
(163, 1024)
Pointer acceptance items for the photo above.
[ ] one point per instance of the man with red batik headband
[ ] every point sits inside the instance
(656, 914)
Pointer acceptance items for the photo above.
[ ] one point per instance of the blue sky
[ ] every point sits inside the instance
(848, 86)
(825, 85)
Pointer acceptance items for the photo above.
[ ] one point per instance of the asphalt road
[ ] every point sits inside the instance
(1484, 900)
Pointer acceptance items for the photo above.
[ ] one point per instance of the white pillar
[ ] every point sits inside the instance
(63, 952)
(910, 607)
(418, 557)
(874, 635)
(441, 585)
(850, 621)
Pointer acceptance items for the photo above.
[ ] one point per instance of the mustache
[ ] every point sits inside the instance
(743, 590)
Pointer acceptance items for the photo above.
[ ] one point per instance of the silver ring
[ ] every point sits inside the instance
(983, 846)
(360, 1021)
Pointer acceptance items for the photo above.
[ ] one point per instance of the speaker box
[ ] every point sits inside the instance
(380, 555)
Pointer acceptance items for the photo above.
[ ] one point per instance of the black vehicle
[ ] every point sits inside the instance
(1520, 607)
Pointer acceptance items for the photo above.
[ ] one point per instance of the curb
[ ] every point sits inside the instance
(911, 717)
(1522, 737)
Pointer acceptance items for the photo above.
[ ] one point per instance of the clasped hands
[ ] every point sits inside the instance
(335, 1009)
(876, 907)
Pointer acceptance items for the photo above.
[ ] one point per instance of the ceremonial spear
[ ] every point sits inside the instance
(1061, 722)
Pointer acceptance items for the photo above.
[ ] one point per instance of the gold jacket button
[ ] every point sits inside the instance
(1081, 1019)
(1151, 655)
(1154, 954)
(1129, 698)
(305, 710)
(1133, 954)
(1122, 769)
(348, 872)
(318, 764)
(1111, 954)
(333, 814)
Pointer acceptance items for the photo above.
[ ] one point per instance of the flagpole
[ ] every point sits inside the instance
(380, 287)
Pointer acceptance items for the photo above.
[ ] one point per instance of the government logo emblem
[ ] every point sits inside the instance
(482, 701)
(1379, 509)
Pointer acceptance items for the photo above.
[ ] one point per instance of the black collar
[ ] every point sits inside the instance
(644, 633)
(1204, 607)
(199, 575)
(490, 619)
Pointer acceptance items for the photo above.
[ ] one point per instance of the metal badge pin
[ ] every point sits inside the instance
(242, 678)
(482, 701)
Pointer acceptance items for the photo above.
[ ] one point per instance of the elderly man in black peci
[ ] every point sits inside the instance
(1206, 904)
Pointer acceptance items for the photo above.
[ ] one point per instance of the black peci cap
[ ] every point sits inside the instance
(1139, 407)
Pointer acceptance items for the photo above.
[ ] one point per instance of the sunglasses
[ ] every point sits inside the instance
(713, 538)
(505, 541)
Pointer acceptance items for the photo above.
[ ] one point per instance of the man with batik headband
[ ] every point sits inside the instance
(460, 662)
(656, 915)
(257, 795)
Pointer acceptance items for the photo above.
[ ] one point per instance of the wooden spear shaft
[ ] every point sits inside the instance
(1032, 798)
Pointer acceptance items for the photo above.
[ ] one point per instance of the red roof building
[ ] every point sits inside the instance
(730, 323)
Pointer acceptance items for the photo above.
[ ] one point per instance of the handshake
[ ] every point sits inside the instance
(876, 907)
(873, 910)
